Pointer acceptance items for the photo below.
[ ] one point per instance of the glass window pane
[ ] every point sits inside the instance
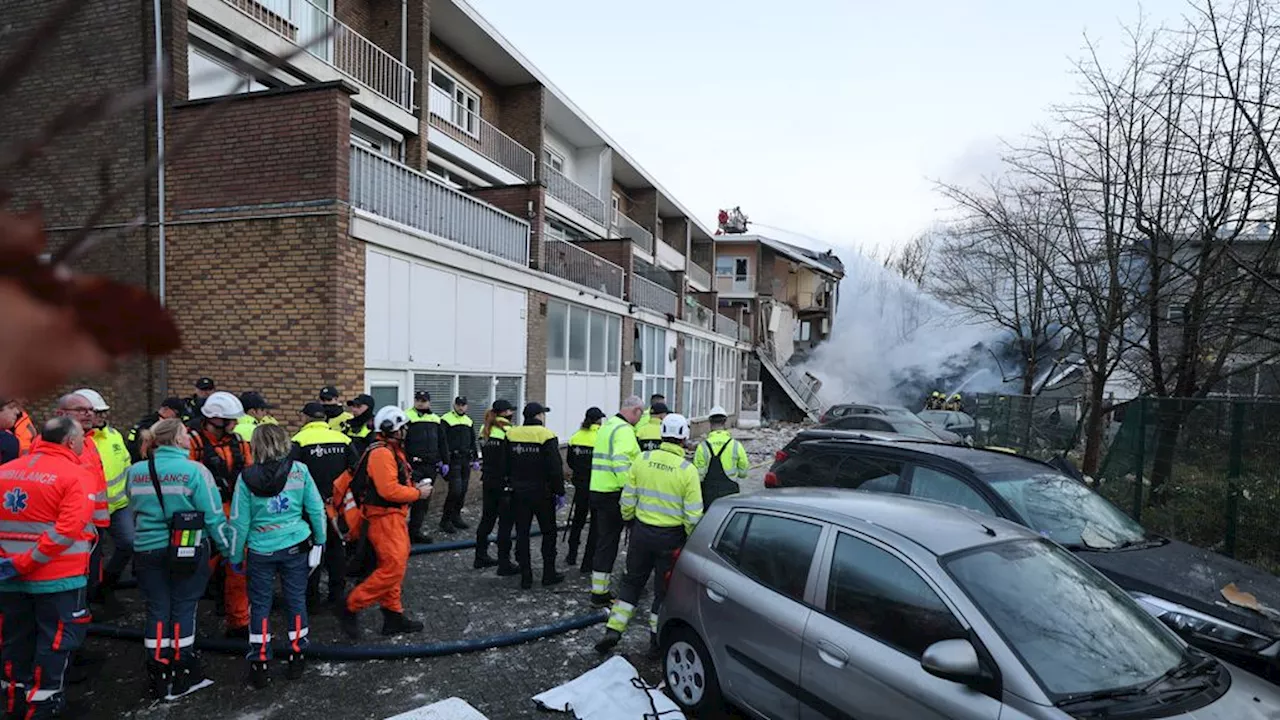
(637, 348)
(935, 485)
(615, 344)
(441, 388)
(599, 338)
(384, 395)
(478, 390)
(777, 552)
(730, 541)
(510, 389)
(557, 324)
(637, 387)
(577, 338)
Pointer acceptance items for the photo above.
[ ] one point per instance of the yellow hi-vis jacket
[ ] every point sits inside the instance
(649, 434)
(663, 490)
(733, 459)
(616, 448)
(115, 461)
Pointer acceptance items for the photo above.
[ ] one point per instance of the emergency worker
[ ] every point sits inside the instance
(24, 428)
(43, 513)
(10, 449)
(333, 409)
(721, 461)
(649, 432)
(384, 485)
(256, 413)
(327, 454)
(664, 498)
(428, 451)
(495, 481)
(359, 426)
(191, 406)
(171, 408)
(537, 490)
(654, 399)
(115, 457)
(78, 408)
(225, 454)
(616, 449)
(581, 445)
(460, 434)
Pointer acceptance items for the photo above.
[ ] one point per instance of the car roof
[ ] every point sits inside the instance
(823, 433)
(937, 527)
(982, 461)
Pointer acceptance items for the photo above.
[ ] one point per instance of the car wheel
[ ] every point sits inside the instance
(689, 672)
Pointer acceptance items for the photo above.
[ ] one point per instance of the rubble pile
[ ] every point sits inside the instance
(762, 443)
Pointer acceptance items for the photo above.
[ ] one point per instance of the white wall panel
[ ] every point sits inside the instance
(510, 329)
(398, 308)
(434, 319)
(474, 339)
(377, 329)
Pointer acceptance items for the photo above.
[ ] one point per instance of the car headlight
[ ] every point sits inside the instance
(1195, 624)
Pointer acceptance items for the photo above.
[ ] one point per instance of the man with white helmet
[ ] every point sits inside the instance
(225, 454)
(383, 487)
(116, 460)
(664, 498)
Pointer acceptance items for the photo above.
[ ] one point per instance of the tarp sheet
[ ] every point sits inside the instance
(611, 691)
(451, 709)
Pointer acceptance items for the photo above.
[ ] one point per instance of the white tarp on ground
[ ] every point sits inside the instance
(609, 693)
(451, 709)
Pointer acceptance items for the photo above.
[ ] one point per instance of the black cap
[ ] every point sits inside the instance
(205, 383)
(422, 395)
(361, 399)
(461, 400)
(657, 396)
(315, 410)
(535, 409)
(174, 404)
(329, 392)
(254, 401)
(501, 406)
(594, 414)
(659, 409)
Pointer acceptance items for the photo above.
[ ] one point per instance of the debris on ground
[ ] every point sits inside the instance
(451, 709)
(613, 690)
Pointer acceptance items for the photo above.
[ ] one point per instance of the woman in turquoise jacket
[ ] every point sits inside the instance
(169, 635)
(278, 515)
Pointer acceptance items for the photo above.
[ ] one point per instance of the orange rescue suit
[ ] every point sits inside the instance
(387, 498)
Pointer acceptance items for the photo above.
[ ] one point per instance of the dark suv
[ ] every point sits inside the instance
(1179, 583)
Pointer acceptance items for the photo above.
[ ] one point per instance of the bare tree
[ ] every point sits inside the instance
(912, 260)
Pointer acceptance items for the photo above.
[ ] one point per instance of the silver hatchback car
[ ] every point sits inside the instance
(815, 603)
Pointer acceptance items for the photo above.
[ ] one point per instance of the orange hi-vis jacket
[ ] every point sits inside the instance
(96, 486)
(225, 459)
(391, 489)
(25, 429)
(43, 514)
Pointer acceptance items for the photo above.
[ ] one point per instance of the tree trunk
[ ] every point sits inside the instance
(1169, 420)
(1093, 428)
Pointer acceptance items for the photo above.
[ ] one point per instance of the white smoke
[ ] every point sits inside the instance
(891, 341)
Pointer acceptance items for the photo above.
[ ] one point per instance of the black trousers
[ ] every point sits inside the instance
(335, 567)
(418, 510)
(459, 479)
(606, 530)
(496, 509)
(650, 551)
(578, 520)
(527, 506)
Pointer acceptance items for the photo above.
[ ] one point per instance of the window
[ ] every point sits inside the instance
(651, 352)
(732, 266)
(384, 395)
(935, 485)
(456, 103)
(860, 422)
(696, 401)
(553, 160)
(582, 340)
(865, 473)
(211, 77)
(616, 203)
(480, 391)
(726, 385)
(370, 139)
(880, 596)
(800, 331)
(774, 551)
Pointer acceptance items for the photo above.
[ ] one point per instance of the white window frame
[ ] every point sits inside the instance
(246, 83)
(553, 160)
(477, 405)
(612, 355)
(696, 400)
(726, 372)
(651, 346)
(616, 202)
(464, 112)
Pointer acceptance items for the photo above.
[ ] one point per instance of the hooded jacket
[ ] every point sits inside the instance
(187, 485)
(275, 506)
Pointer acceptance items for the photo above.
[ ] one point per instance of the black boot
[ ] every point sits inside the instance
(526, 579)
(507, 568)
(348, 622)
(158, 678)
(297, 664)
(609, 641)
(447, 527)
(259, 675)
(483, 561)
(188, 675)
(396, 623)
(572, 559)
(458, 523)
(551, 577)
(418, 538)
(602, 600)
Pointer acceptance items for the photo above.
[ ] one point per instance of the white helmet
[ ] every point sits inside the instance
(222, 405)
(389, 419)
(95, 398)
(717, 410)
(675, 426)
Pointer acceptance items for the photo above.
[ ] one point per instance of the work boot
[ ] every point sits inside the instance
(602, 600)
(396, 623)
(459, 524)
(526, 579)
(297, 664)
(507, 569)
(348, 622)
(158, 677)
(447, 527)
(551, 578)
(420, 539)
(19, 711)
(188, 675)
(572, 559)
(259, 675)
(483, 561)
(608, 642)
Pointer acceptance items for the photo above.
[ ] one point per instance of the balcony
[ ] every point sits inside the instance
(696, 273)
(399, 193)
(727, 326)
(698, 314)
(467, 127)
(649, 294)
(624, 226)
(575, 196)
(736, 284)
(334, 43)
(564, 259)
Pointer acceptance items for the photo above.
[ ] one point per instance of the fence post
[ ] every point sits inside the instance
(1235, 461)
(1141, 459)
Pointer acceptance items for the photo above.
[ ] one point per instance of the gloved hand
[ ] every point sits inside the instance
(560, 502)
(236, 568)
(313, 557)
(443, 468)
(475, 465)
(7, 570)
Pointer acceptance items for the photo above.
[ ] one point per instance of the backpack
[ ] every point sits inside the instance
(225, 477)
(717, 483)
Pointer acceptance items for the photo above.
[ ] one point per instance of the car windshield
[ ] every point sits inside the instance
(913, 427)
(1073, 629)
(1066, 511)
(934, 416)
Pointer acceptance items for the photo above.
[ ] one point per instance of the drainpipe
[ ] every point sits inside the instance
(160, 185)
(404, 31)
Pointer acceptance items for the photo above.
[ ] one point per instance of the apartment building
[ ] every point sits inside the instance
(406, 203)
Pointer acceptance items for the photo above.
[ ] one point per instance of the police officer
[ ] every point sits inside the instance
(654, 399)
(428, 451)
(460, 434)
(721, 461)
(333, 409)
(255, 414)
(649, 432)
(537, 485)
(111, 449)
(495, 481)
(327, 453)
(171, 408)
(191, 406)
(42, 581)
(358, 424)
(664, 498)
(616, 448)
(581, 445)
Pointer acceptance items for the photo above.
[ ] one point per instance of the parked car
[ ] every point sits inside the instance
(834, 604)
(839, 411)
(908, 425)
(1179, 583)
(954, 421)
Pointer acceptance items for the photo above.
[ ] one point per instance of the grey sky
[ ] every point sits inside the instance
(826, 117)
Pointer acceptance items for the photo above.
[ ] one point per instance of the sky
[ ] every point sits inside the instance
(833, 119)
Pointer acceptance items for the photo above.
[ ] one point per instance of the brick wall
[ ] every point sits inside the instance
(377, 21)
(522, 115)
(490, 104)
(535, 384)
(675, 232)
(418, 50)
(644, 208)
(515, 199)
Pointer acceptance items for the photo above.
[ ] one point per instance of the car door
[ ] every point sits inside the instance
(753, 610)
(934, 484)
(875, 616)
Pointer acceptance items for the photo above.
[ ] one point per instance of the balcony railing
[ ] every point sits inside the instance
(624, 226)
(397, 192)
(329, 40)
(727, 326)
(649, 294)
(735, 284)
(574, 195)
(467, 127)
(564, 259)
(696, 273)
